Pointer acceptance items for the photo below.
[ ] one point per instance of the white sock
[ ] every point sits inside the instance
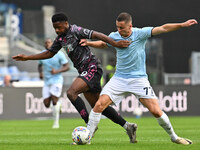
(125, 125)
(165, 124)
(56, 112)
(94, 119)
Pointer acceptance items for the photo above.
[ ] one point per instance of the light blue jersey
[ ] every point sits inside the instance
(56, 62)
(131, 60)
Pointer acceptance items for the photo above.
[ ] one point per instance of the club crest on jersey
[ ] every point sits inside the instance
(83, 73)
(68, 48)
(130, 40)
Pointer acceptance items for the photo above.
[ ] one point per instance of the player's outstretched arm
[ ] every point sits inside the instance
(96, 44)
(105, 38)
(169, 27)
(43, 55)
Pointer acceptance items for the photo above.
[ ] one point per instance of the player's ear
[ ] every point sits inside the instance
(66, 24)
(130, 24)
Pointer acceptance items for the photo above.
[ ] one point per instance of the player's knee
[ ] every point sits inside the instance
(46, 104)
(99, 106)
(71, 94)
(54, 102)
(156, 113)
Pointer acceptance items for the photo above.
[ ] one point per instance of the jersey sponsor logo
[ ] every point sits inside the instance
(176, 102)
(34, 105)
(86, 31)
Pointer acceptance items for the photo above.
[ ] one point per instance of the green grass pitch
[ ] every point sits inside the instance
(38, 135)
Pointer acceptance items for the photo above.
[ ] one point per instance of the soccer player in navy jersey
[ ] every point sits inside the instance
(87, 65)
(130, 75)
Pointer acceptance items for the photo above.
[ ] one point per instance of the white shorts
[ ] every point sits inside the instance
(48, 90)
(117, 88)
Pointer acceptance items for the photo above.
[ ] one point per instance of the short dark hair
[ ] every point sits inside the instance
(124, 16)
(59, 17)
(48, 39)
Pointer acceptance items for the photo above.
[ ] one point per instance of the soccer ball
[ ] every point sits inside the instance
(138, 112)
(81, 135)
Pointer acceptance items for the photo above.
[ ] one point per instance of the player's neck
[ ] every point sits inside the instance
(128, 34)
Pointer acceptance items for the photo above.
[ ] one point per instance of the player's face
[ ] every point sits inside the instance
(124, 29)
(48, 43)
(60, 27)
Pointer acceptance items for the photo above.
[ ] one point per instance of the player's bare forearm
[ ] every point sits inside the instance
(43, 55)
(105, 38)
(64, 68)
(169, 27)
(97, 44)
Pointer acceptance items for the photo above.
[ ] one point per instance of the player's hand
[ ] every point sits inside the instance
(20, 57)
(83, 42)
(53, 71)
(41, 75)
(122, 43)
(190, 23)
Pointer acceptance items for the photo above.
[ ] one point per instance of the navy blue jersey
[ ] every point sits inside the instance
(81, 56)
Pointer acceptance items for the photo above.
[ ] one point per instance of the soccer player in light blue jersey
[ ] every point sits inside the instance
(130, 75)
(50, 70)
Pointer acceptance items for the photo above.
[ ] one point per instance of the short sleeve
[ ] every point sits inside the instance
(82, 33)
(145, 32)
(112, 37)
(56, 46)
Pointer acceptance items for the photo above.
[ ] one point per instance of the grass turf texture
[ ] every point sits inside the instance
(38, 135)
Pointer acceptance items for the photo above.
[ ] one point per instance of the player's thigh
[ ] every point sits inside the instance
(92, 77)
(152, 105)
(78, 86)
(149, 103)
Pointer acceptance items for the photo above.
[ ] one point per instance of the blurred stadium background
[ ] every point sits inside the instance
(173, 59)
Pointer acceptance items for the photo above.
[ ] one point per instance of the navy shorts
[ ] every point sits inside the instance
(92, 76)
